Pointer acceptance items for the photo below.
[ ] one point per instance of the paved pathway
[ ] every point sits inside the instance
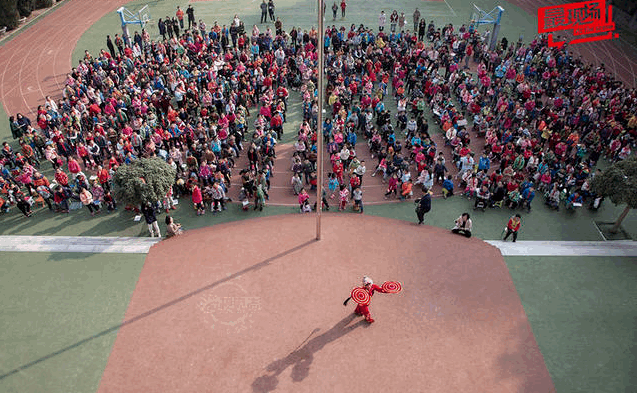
(126, 245)
(140, 245)
(623, 248)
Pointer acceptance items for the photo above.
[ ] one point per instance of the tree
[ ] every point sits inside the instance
(144, 180)
(25, 7)
(619, 183)
(9, 14)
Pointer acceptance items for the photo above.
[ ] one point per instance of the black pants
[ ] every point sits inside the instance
(217, 202)
(264, 16)
(460, 231)
(421, 216)
(509, 231)
(48, 202)
(25, 208)
(92, 208)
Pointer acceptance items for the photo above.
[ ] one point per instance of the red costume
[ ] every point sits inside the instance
(370, 287)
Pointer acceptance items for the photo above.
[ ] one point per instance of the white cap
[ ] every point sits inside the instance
(367, 280)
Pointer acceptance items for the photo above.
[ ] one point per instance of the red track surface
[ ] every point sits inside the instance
(35, 63)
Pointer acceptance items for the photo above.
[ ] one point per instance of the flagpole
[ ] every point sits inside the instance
(319, 126)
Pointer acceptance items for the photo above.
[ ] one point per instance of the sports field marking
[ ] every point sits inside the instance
(451, 9)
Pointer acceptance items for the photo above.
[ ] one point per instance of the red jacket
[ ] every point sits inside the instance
(196, 195)
(513, 225)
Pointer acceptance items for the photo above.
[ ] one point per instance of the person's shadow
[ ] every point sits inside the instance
(301, 358)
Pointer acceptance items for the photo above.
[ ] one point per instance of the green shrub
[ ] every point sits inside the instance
(25, 7)
(43, 4)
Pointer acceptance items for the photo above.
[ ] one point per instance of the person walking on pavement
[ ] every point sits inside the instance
(343, 6)
(424, 205)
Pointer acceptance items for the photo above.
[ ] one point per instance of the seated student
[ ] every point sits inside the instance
(513, 199)
(573, 201)
(498, 194)
(463, 225)
(527, 197)
(303, 197)
(553, 197)
(406, 190)
(447, 187)
(482, 197)
(172, 228)
(471, 184)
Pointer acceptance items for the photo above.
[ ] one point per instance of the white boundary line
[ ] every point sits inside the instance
(600, 231)
(451, 9)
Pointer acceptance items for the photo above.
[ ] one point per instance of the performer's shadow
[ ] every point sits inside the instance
(301, 358)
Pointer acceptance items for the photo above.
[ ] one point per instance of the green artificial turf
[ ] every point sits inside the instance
(583, 312)
(60, 314)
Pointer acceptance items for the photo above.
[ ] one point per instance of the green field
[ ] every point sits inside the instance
(60, 314)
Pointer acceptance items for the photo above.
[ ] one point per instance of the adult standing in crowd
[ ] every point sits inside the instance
(264, 11)
(271, 10)
(180, 16)
(190, 11)
(416, 19)
(151, 219)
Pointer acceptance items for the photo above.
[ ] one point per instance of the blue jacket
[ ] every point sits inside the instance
(448, 184)
(528, 195)
(484, 163)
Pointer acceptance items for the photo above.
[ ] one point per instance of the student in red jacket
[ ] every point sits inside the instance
(513, 227)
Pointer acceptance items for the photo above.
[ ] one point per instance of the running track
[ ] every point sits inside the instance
(35, 63)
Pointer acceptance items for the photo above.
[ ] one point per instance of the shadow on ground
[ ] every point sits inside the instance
(301, 358)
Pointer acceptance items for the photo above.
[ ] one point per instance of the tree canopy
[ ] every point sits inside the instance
(144, 180)
(618, 182)
(9, 14)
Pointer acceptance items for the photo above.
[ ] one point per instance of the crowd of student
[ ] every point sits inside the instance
(544, 117)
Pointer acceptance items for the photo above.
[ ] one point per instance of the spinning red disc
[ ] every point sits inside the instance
(392, 287)
(360, 296)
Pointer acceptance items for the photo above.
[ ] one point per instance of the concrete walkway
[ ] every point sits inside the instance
(141, 245)
(620, 248)
(126, 245)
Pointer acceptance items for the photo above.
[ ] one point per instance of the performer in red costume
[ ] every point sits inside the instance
(370, 287)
